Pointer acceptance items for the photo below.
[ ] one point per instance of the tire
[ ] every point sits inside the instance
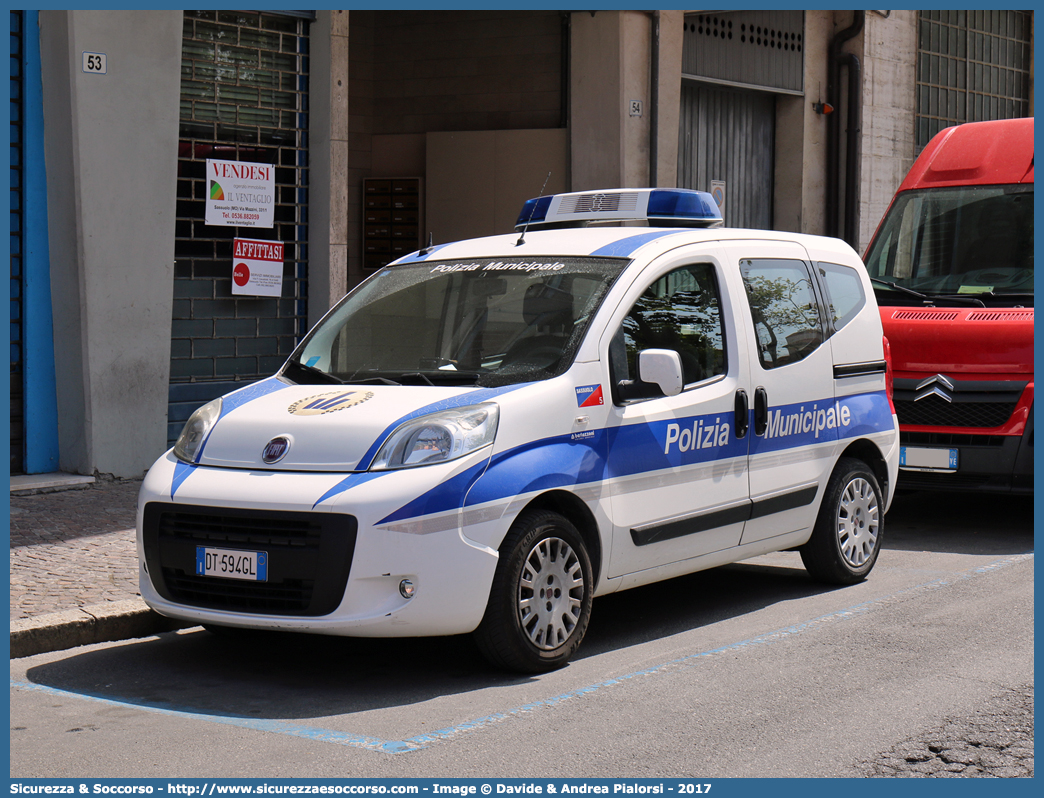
(847, 536)
(540, 602)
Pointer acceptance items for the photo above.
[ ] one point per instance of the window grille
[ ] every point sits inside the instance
(972, 66)
(244, 97)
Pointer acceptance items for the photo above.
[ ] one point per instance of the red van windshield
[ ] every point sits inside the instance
(973, 241)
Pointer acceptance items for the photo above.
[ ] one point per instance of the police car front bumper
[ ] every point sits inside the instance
(329, 566)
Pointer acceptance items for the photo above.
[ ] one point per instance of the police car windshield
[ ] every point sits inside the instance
(483, 321)
(961, 242)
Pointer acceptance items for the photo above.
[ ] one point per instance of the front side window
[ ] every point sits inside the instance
(680, 311)
(484, 322)
(971, 241)
(787, 320)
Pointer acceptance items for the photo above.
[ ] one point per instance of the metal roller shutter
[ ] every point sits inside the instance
(729, 135)
(244, 97)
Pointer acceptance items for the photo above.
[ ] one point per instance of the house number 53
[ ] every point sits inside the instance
(94, 63)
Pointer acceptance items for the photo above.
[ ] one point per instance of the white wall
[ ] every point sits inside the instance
(328, 205)
(477, 181)
(889, 108)
(595, 101)
(110, 144)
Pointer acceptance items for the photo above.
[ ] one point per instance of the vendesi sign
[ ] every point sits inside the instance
(240, 194)
(257, 267)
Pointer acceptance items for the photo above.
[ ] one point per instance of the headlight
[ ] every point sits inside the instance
(438, 437)
(196, 430)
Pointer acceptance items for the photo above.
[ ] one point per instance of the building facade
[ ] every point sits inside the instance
(385, 129)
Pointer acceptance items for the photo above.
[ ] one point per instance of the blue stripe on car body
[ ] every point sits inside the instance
(182, 471)
(640, 448)
(625, 247)
(258, 389)
(237, 399)
(451, 403)
(353, 480)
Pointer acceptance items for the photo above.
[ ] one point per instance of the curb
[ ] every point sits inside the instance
(100, 623)
(29, 484)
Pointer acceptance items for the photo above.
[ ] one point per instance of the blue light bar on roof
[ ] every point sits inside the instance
(680, 203)
(665, 207)
(533, 212)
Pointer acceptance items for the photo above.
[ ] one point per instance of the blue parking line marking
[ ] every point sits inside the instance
(275, 726)
(425, 740)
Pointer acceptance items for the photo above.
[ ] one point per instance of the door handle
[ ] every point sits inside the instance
(742, 416)
(760, 411)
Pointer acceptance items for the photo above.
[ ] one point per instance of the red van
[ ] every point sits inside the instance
(952, 267)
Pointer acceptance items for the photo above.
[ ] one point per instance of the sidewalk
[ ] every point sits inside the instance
(74, 569)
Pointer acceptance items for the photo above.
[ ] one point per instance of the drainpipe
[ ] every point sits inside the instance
(837, 59)
(854, 136)
(566, 18)
(654, 101)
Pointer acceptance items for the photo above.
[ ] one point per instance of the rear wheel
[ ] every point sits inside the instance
(540, 601)
(847, 537)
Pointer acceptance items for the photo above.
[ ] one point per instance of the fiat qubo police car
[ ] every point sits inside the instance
(485, 436)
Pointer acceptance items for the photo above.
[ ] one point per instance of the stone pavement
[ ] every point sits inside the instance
(994, 742)
(74, 568)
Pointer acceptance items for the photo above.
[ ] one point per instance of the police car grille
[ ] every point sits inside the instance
(290, 597)
(309, 557)
(215, 529)
(933, 411)
(921, 480)
(960, 439)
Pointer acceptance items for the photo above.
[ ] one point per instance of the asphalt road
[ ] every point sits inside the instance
(750, 670)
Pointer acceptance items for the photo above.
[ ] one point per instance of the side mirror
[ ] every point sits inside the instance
(662, 367)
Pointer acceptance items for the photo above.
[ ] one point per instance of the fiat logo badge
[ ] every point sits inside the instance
(275, 450)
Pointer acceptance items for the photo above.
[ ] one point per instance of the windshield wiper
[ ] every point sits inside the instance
(441, 377)
(903, 288)
(418, 375)
(324, 376)
(420, 378)
(371, 380)
(960, 298)
(928, 298)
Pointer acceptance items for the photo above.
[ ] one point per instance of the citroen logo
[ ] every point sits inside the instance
(939, 385)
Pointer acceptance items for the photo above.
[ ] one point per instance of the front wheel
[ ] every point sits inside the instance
(847, 536)
(540, 602)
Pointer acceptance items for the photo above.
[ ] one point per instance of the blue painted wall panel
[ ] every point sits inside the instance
(41, 403)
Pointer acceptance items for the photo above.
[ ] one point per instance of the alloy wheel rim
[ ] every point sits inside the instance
(858, 522)
(550, 593)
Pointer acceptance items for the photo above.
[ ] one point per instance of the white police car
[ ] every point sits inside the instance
(485, 435)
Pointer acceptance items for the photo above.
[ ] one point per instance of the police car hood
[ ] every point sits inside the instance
(322, 427)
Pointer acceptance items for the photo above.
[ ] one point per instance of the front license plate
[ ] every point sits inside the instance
(917, 458)
(232, 564)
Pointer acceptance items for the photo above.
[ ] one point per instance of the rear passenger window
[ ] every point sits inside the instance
(679, 311)
(787, 320)
(845, 297)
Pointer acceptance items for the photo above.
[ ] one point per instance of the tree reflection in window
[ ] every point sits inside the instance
(681, 311)
(784, 309)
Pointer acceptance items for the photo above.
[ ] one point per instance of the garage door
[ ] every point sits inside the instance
(728, 136)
